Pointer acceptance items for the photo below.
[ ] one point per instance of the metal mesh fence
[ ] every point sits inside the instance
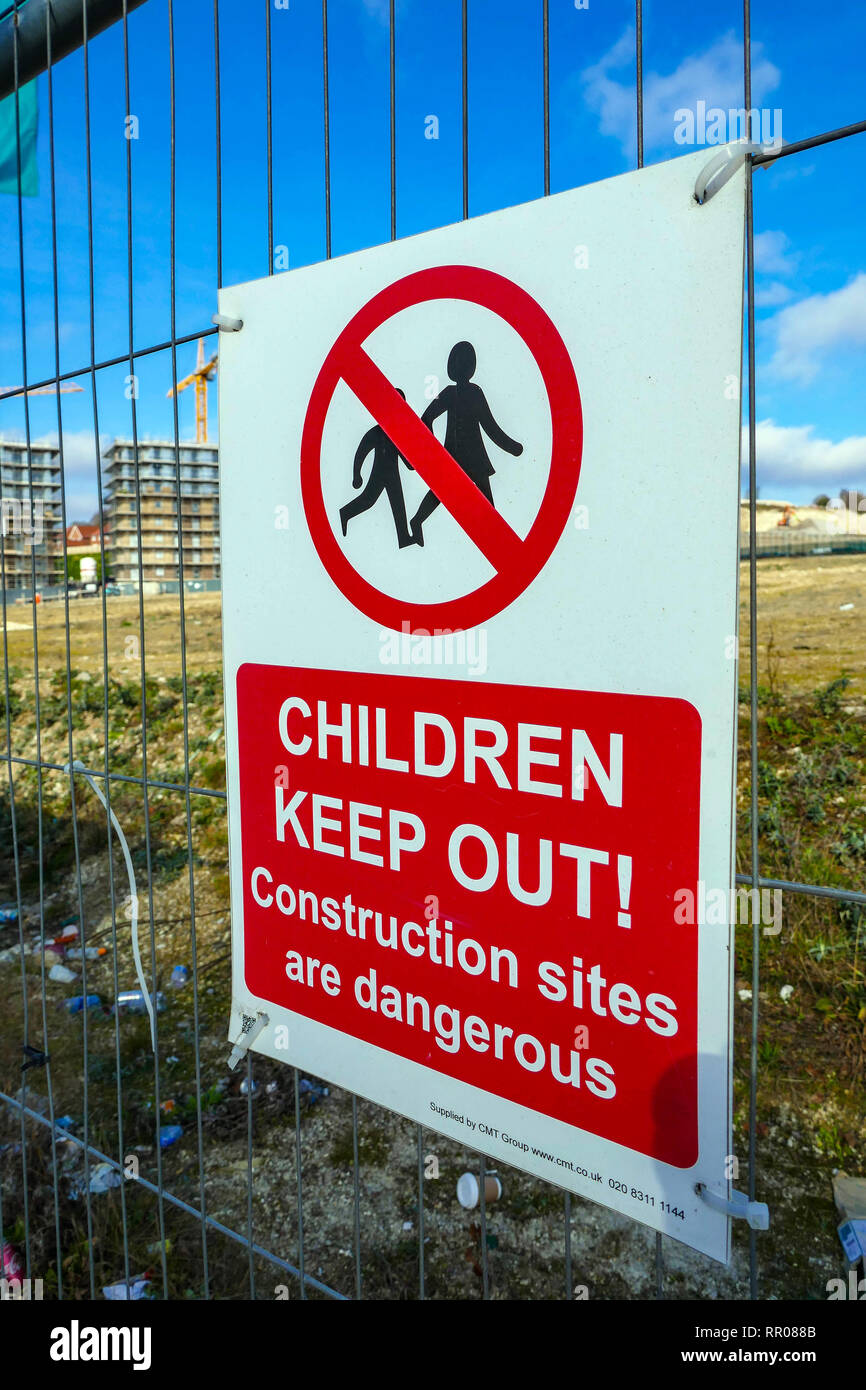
(280, 1187)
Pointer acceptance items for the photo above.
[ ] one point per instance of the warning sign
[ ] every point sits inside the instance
(479, 505)
(457, 472)
(532, 819)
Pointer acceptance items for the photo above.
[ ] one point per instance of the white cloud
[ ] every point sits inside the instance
(770, 296)
(714, 76)
(79, 470)
(807, 331)
(772, 254)
(793, 454)
(786, 170)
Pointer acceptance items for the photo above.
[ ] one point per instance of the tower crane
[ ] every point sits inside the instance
(204, 372)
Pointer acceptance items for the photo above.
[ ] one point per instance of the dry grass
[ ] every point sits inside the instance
(801, 621)
(162, 644)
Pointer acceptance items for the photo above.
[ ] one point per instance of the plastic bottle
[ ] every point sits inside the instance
(131, 1001)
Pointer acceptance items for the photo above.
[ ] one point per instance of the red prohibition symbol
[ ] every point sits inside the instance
(517, 561)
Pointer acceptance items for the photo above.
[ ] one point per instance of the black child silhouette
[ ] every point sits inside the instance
(468, 415)
(384, 477)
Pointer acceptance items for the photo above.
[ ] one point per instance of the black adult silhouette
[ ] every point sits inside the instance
(384, 477)
(468, 415)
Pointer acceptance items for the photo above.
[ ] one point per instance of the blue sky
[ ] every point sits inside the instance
(811, 257)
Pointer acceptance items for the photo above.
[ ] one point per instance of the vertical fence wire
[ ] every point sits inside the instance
(68, 657)
(464, 102)
(392, 97)
(482, 1206)
(299, 1157)
(12, 813)
(545, 102)
(69, 714)
(299, 1169)
(753, 665)
(269, 136)
(140, 562)
(545, 92)
(356, 1200)
(25, 1006)
(638, 34)
(46, 1044)
(464, 107)
(392, 91)
(422, 1282)
(638, 45)
(269, 164)
(218, 172)
(218, 141)
(252, 1268)
(326, 129)
(184, 677)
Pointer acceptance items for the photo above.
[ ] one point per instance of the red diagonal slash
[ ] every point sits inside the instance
(440, 471)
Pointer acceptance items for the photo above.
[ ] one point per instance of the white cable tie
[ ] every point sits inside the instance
(739, 1207)
(723, 165)
(251, 1027)
(227, 324)
(133, 899)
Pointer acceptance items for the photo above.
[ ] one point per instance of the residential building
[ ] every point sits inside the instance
(144, 516)
(30, 515)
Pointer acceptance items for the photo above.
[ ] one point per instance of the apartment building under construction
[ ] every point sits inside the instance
(31, 534)
(142, 510)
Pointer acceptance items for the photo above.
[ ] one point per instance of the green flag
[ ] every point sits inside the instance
(27, 122)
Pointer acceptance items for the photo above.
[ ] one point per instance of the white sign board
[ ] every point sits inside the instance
(480, 530)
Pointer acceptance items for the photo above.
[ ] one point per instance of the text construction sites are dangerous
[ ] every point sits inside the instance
(482, 880)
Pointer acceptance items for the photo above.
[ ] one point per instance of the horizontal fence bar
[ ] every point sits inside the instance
(211, 1221)
(117, 777)
(25, 48)
(108, 362)
(815, 890)
(810, 143)
(790, 885)
(813, 543)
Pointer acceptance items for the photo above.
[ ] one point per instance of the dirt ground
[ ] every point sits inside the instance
(812, 609)
(162, 635)
(811, 1111)
(803, 606)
